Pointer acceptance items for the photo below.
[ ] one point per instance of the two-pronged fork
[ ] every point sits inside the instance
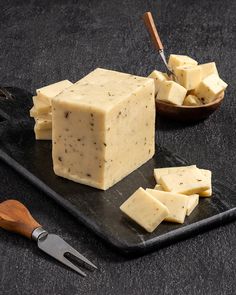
(15, 217)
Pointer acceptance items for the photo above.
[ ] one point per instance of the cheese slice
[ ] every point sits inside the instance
(193, 201)
(40, 107)
(187, 182)
(42, 134)
(103, 127)
(208, 175)
(41, 123)
(46, 93)
(158, 187)
(145, 210)
(158, 172)
(176, 204)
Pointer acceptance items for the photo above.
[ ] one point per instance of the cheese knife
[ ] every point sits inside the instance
(15, 217)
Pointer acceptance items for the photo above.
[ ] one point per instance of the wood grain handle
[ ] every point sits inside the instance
(15, 217)
(149, 22)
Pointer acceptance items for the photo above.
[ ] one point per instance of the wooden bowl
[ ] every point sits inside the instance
(188, 113)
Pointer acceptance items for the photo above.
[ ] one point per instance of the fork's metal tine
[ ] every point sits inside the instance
(71, 265)
(75, 253)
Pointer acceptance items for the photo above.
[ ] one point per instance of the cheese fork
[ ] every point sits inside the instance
(15, 217)
(150, 25)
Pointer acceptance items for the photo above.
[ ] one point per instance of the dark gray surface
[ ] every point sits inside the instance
(45, 41)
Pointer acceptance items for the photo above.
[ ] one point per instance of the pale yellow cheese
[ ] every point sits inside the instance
(188, 182)
(176, 204)
(43, 134)
(40, 107)
(158, 172)
(193, 201)
(188, 76)
(158, 77)
(158, 187)
(207, 174)
(145, 210)
(43, 124)
(210, 88)
(103, 127)
(171, 92)
(192, 100)
(46, 93)
(176, 60)
(208, 69)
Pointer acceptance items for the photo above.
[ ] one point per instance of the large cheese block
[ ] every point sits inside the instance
(46, 93)
(145, 210)
(103, 127)
(158, 172)
(176, 204)
(188, 182)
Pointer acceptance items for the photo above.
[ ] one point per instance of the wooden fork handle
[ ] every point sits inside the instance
(15, 217)
(149, 22)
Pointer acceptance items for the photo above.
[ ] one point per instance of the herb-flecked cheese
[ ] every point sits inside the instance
(103, 127)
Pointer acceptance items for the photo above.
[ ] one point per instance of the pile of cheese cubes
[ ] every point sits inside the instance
(42, 109)
(175, 196)
(191, 85)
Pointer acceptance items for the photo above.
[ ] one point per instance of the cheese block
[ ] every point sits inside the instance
(176, 60)
(188, 182)
(210, 88)
(192, 203)
(43, 134)
(208, 175)
(41, 123)
(208, 69)
(171, 92)
(188, 76)
(176, 204)
(40, 107)
(158, 77)
(103, 127)
(145, 210)
(46, 93)
(158, 187)
(192, 100)
(158, 172)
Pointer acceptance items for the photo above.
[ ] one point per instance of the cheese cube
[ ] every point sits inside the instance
(41, 123)
(188, 76)
(171, 92)
(145, 210)
(208, 69)
(207, 174)
(158, 187)
(188, 182)
(176, 204)
(192, 100)
(176, 60)
(158, 172)
(40, 106)
(42, 134)
(193, 201)
(103, 127)
(158, 77)
(210, 88)
(48, 92)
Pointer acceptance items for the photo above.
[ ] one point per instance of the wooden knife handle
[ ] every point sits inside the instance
(15, 217)
(149, 22)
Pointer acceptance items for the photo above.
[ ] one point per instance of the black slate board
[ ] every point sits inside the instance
(99, 210)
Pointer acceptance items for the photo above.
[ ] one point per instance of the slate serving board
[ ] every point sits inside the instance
(99, 210)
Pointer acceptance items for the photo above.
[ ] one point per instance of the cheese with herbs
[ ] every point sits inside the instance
(176, 204)
(188, 76)
(208, 69)
(158, 172)
(103, 127)
(176, 60)
(40, 106)
(145, 210)
(193, 201)
(171, 92)
(42, 134)
(158, 78)
(192, 100)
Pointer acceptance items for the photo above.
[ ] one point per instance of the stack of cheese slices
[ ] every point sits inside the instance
(175, 196)
(42, 109)
(192, 85)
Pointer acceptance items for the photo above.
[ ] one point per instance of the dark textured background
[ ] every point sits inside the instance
(45, 41)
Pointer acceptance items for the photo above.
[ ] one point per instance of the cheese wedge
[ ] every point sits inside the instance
(176, 204)
(145, 210)
(158, 77)
(187, 182)
(158, 172)
(193, 201)
(43, 134)
(46, 93)
(40, 107)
